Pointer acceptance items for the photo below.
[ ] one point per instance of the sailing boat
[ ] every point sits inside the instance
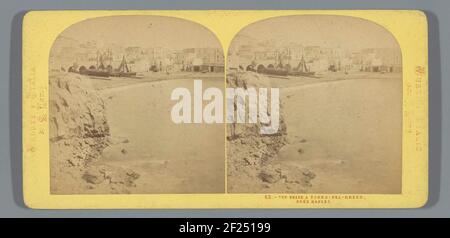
(123, 70)
(302, 69)
(98, 70)
(277, 70)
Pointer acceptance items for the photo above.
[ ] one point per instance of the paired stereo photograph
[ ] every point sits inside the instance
(225, 109)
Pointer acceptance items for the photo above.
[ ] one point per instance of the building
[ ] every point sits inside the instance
(381, 60)
(204, 60)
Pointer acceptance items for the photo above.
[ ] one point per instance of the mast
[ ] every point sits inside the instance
(123, 65)
(110, 57)
(96, 64)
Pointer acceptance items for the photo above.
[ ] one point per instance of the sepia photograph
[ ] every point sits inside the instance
(313, 104)
(111, 131)
(199, 109)
(339, 83)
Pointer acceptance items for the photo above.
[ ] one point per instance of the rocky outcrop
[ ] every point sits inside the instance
(252, 157)
(77, 119)
(79, 133)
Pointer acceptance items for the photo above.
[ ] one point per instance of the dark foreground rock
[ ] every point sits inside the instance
(79, 133)
(252, 158)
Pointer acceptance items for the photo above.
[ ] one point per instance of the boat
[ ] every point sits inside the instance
(283, 69)
(100, 70)
(123, 70)
(94, 72)
(272, 71)
(301, 70)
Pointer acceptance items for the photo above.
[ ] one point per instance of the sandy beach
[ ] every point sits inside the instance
(170, 158)
(164, 157)
(343, 135)
(340, 134)
(348, 132)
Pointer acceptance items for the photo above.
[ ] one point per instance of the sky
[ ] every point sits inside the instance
(327, 31)
(156, 31)
(144, 31)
